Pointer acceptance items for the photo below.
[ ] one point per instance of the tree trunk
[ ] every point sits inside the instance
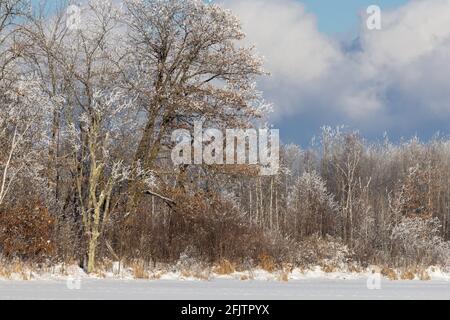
(91, 253)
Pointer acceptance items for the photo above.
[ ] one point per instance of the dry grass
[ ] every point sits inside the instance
(104, 265)
(389, 273)
(3, 273)
(407, 275)
(267, 262)
(423, 275)
(201, 275)
(156, 276)
(287, 267)
(411, 273)
(100, 273)
(283, 277)
(18, 268)
(205, 275)
(186, 274)
(139, 271)
(328, 268)
(354, 268)
(225, 267)
(302, 269)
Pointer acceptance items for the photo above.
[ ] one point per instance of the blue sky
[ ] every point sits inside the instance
(328, 69)
(342, 16)
(340, 19)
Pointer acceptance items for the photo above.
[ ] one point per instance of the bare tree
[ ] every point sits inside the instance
(22, 133)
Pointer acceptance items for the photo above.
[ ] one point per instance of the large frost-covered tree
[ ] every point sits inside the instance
(187, 63)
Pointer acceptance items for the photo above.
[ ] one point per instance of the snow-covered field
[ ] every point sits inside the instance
(222, 289)
(73, 283)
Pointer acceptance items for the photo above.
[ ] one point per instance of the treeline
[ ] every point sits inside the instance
(86, 117)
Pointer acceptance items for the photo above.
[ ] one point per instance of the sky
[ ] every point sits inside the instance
(342, 16)
(328, 69)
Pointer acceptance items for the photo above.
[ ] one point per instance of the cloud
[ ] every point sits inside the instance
(394, 79)
(295, 52)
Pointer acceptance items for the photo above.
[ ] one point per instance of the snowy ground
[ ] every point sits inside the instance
(222, 289)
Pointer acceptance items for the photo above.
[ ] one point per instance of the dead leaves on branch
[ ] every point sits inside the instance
(26, 232)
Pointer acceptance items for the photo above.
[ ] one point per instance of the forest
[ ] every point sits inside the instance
(86, 117)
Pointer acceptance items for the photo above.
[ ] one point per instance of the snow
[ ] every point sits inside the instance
(222, 289)
(118, 272)
(71, 282)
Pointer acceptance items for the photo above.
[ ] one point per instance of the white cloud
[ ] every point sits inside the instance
(399, 77)
(295, 52)
(408, 33)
